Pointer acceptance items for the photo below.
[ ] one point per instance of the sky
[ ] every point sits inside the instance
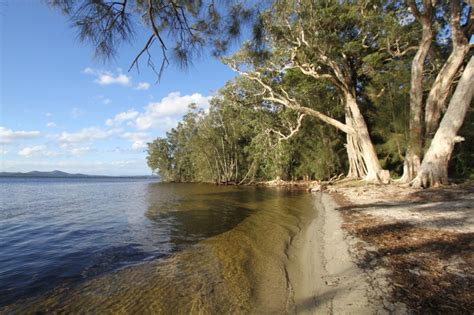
(63, 109)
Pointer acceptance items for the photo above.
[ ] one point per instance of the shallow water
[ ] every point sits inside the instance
(121, 246)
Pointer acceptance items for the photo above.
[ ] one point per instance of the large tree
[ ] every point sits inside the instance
(304, 36)
(425, 115)
(415, 143)
(434, 168)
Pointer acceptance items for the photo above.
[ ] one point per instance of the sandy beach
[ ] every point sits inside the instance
(323, 275)
(328, 281)
(386, 249)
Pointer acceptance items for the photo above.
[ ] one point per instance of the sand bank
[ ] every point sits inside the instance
(324, 278)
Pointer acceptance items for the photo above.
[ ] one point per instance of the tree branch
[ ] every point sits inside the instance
(293, 131)
(291, 103)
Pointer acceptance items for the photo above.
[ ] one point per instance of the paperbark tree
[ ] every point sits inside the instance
(415, 142)
(334, 56)
(439, 93)
(363, 160)
(424, 119)
(434, 168)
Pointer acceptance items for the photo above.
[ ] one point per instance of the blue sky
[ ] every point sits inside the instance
(62, 109)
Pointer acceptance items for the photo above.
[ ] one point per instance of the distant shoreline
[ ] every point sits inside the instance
(83, 177)
(59, 174)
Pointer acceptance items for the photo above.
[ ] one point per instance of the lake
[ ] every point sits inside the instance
(135, 245)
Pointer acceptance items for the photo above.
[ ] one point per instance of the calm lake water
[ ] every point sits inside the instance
(61, 240)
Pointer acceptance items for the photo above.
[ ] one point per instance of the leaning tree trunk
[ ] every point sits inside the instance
(413, 155)
(375, 173)
(357, 168)
(439, 92)
(434, 168)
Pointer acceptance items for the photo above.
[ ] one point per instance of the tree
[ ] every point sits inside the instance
(422, 130)
(434, 168)
(414, 151)
(334, 56)
(239, 140)
(159, 159)
(440, 89)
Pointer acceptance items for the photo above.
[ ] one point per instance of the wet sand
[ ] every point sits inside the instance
(324, 278)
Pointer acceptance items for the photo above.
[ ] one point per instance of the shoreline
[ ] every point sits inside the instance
(322, 273)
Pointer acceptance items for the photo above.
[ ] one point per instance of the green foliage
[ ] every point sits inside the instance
(387, 94)
(237, 141)
(313, 54)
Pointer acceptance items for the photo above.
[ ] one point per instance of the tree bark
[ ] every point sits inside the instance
(434, 168)
(363, 142)
(415, 140)
(357, 168)
(439, 92)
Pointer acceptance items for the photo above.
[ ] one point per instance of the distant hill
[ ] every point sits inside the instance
(60, 174)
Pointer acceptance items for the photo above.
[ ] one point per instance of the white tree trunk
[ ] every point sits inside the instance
(357, 168)
(434, 168)
(436, 102)
(375, 173)
(414, 150)
(440, 89)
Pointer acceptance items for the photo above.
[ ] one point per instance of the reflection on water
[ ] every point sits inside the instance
(240, 237)
(195, 212)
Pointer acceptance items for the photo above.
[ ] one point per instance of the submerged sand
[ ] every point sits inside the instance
(292, 261)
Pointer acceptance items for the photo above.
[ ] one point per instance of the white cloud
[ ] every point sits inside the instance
(169, 109)
(109, 78)
(107, 101)
(121, 117)
(83, 136)
(51, 125)
(38, 150)
(142, 86)
(8, 135)
(48, 114)
(3, 152)
(139, 139)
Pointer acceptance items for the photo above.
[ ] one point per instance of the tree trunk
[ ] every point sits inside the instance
(414, 150)
(439, 92)
(434, 168)
(357, 168)
(375, 173)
